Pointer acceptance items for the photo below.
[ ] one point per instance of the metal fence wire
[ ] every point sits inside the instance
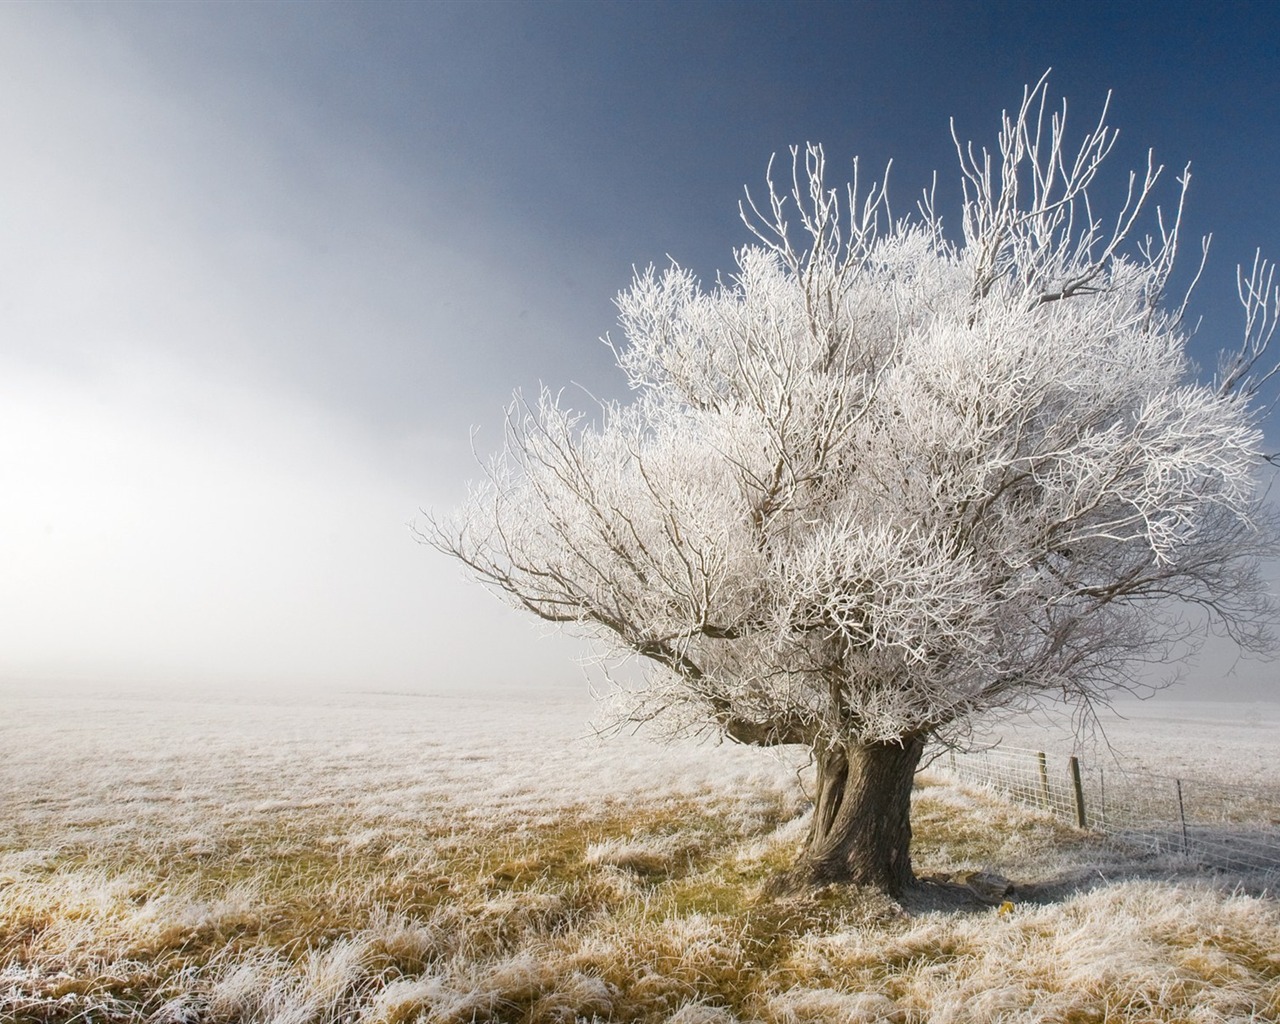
(1228, 827)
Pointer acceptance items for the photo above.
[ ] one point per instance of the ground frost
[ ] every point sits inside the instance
(185, 862)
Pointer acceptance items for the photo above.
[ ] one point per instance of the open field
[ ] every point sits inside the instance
(396, 858)
(1236, 743)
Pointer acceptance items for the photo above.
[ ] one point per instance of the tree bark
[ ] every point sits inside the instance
(861, 830)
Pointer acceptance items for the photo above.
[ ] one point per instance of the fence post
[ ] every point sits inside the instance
(1182, 817)
(1102, 796)
(1044, 780)
(1078, 790)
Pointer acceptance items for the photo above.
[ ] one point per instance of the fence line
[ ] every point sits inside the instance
(1229, 827)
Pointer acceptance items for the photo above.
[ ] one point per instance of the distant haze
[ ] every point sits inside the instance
(264, 267)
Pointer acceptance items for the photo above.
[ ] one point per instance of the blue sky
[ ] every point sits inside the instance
(265, 266)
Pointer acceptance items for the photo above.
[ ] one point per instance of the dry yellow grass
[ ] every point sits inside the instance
(312, 887)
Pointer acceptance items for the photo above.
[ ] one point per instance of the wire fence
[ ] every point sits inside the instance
(1228, 827)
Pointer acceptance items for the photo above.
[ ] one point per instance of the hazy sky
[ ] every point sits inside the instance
(265, 265)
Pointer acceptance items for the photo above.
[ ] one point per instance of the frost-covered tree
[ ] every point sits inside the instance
(880, 481)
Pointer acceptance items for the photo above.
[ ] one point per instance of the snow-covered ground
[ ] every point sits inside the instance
(112, 762)
(534, 750)
(374, 857)
(1220, 742)
(175, 771)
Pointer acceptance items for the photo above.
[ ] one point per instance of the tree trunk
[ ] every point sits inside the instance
(861, 831)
